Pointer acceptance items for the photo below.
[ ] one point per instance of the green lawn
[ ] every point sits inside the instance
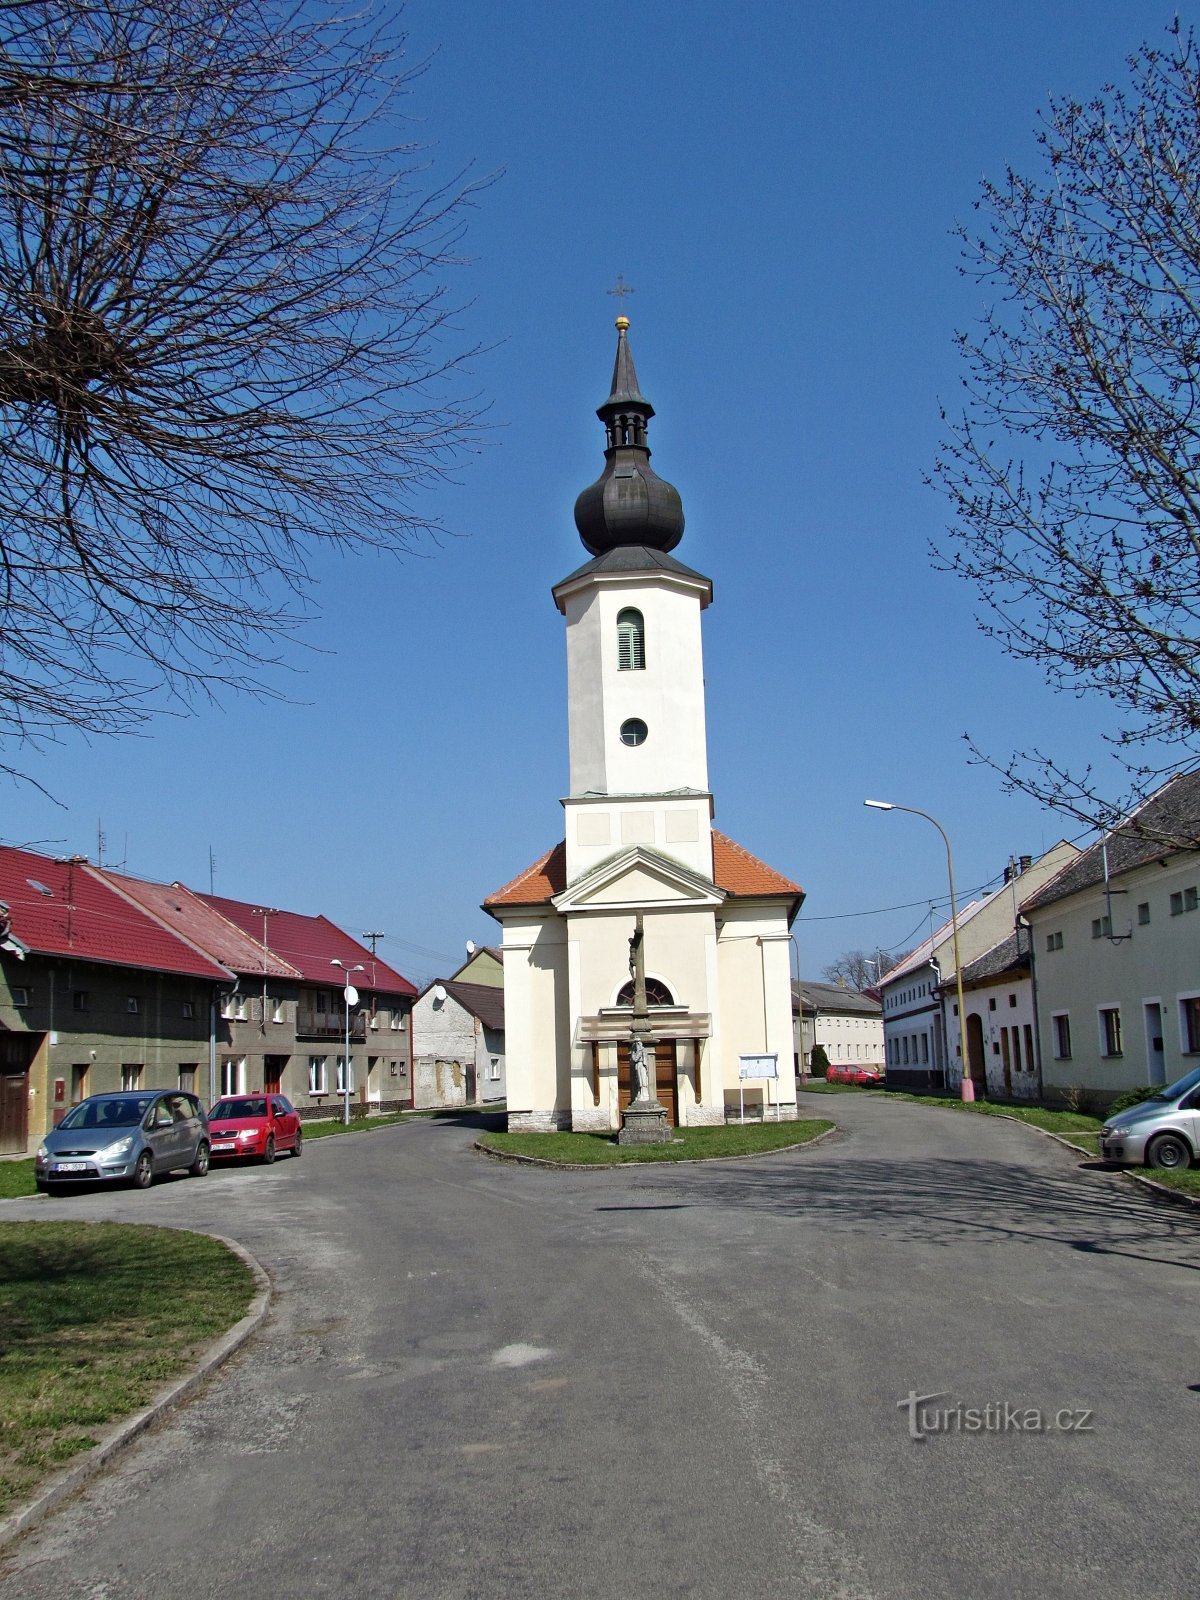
(16, 1179)
(688, 1144)
(1188, 1182)
(94, 1317)
(324, 1130)
(819, 1087)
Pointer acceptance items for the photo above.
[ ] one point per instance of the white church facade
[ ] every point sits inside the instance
(639, 841)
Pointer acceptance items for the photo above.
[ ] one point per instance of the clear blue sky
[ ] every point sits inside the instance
(779, 183)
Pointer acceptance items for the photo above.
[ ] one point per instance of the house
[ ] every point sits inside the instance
(458, 1043)
(96, 995)
(1002, 1041)
(847, 1024)
(1116, 953)
(641, 889)
(920, 1001)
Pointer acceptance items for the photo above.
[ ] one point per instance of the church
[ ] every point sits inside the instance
(640, 851)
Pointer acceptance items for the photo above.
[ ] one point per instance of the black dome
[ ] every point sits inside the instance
(629, 504)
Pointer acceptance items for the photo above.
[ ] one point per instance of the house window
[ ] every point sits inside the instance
(494, 1066)
(83, 1000)
(1190, 1008)
(1012, 999)
(1101, 928)
(316, 1074)
(992, 1003)
(131, 1076)
(1054, 941)
(187, 1076)
(233, 1075)
(631, 641)
(189, 1010)
(397, 1020)
(279, 1011)
(20, 995)
(634, 731)
(1143, 913)
(1176, 905)
(345, 1081)
(1062, 1036)
(1191, 898)
(233, 1008)
(1016, 1049)
(925, 1049)
(1029, 1047)
(1110, 1031)
(133, 1004)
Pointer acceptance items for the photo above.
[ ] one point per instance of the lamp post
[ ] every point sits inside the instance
(351, 997)
(968, 1087)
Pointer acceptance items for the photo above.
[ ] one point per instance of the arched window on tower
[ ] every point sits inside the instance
(631, 641)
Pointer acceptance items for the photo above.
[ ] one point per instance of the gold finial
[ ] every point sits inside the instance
(621, 290)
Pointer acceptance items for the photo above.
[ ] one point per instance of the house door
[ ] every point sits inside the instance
(1155, 1058)
(273, 1073)
(665, 1075)
(15, 1055)
(975, 1055)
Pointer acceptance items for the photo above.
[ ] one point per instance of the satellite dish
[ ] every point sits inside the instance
(351, 995)
(470, 947)
(439, 992)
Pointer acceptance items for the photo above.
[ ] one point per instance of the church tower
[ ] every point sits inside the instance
(640, 850)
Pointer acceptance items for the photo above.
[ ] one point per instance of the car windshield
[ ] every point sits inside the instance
(1172, 1091)
(120, 1112)
(249, 1107)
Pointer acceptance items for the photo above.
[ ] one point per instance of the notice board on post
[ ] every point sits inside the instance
(755, 1069)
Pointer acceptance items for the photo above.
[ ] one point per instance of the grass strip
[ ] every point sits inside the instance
(94, 1318)
(1187, 1182)
(1052, 1121)
(687, 1144)
(16, 1179)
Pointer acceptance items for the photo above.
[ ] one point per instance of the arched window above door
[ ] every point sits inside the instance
(631, 641)
(657, 994)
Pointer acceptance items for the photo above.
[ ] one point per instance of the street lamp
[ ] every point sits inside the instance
(968, 1087)
(351, 997)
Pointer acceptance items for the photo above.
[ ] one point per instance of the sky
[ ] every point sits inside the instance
(779, 185)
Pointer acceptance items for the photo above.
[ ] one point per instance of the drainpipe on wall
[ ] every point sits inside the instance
(1022, 922)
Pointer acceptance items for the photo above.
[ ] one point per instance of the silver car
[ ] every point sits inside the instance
(1163, 1131)
(124, 1138)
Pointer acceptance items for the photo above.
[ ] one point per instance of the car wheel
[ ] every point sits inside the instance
(299, 1144)
(1169, 1152)
(143, 1172)
(268, 1154)
(200, 1165)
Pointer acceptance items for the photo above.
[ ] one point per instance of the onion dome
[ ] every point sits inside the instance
(629, 504)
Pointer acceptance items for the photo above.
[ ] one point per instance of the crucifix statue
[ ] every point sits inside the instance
(639, 1064)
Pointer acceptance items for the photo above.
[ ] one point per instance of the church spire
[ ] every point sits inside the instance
(629, 504)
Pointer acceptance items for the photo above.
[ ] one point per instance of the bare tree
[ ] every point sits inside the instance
(861, 969)
(1073, 471)
(224, 340)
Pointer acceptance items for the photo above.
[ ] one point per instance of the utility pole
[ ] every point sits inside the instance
(374, 939)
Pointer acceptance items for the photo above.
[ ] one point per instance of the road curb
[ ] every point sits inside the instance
(626, 1166)
(122, 1433)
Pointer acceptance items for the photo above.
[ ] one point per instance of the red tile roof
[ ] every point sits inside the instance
(84, 917)
(734, 869)
(310, 944)
(201, 925)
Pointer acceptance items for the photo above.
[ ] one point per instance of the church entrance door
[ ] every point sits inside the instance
(665, 1072)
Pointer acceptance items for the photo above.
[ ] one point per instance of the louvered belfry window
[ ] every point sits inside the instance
(631, 641)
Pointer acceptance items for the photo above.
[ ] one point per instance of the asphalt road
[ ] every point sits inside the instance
(483, 1380)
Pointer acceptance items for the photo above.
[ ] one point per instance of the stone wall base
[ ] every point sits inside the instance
(539, 1122)
(705, 1117)
(596, 1121)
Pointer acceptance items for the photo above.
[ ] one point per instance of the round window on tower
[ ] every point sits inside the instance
(634, 731)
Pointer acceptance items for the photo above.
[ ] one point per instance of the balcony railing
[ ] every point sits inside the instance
(328, 1024)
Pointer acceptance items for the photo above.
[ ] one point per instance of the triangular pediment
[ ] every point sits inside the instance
(638, 878)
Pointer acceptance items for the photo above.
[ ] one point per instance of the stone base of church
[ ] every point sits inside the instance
(705, 1117)
(645, 1125)
(539, 1122)
(597, 1121)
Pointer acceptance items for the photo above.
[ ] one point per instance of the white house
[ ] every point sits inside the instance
(846, 1024)
(458, 1044)
(1002, 1043)
(639, 840)
(1116, 953)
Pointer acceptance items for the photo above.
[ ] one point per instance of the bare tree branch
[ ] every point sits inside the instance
(224, 340)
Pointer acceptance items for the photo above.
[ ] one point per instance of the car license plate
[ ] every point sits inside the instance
(217, 1147)
(70, 1166)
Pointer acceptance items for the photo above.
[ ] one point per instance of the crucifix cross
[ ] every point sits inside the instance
(621, 290)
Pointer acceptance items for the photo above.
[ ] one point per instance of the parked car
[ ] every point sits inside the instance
(259, 1125)
(863, 1076)
(1163, 1131)
(124, 1138)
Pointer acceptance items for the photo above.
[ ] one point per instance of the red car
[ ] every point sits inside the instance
(260, 1125)
(865, 1077)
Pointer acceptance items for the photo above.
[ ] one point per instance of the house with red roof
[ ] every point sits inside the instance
(109, 981)
(96, 993)
(642, 900)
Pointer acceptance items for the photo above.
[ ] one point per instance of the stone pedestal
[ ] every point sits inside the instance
(645, 1124)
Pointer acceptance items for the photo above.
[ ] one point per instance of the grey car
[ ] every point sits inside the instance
(124, 1138)
(1163, 1131)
